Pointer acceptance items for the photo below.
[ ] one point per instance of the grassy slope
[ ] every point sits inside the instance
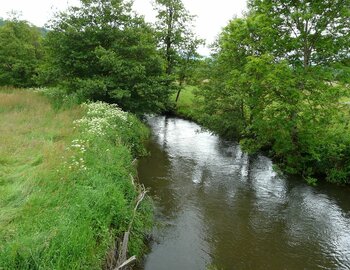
(54, 215)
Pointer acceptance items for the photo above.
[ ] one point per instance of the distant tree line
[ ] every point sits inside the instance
(102, 50)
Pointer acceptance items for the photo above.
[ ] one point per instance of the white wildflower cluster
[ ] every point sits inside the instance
(79, 145)
(95, 126)
(77, 161)
(104, 110)
(98, 120)
(101, 117)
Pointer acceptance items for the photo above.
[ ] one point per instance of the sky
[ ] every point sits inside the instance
(212, 15)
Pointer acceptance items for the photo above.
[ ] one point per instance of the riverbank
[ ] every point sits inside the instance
(318, 158)
(66, 193)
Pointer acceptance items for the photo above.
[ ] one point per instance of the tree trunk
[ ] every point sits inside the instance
(307, 49)
(168, 41)
(180, 88)
(307, 55)
(178, 95)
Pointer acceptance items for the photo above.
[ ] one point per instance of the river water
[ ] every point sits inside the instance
(217, 208)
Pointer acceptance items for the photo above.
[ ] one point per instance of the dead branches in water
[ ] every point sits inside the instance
(122, 261)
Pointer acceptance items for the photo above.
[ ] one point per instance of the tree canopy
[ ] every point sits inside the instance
(177, 41)
(20, 53)
(103, 51)
(275, 83)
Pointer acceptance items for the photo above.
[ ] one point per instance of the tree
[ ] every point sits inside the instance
(188, 60)
(20, 53)
(278, 75)
(102, 51)
(177, 40)
(313, 35)
(311, 32)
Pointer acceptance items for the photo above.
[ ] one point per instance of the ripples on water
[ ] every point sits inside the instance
(217, 206)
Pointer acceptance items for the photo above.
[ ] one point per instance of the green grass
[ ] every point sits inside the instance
(187, 96)
(61, 207)
(344, 99)
(185, 105)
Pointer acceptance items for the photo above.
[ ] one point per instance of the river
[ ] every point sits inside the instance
(217, 208)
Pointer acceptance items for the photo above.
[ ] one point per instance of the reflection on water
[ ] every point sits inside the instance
(217, 206)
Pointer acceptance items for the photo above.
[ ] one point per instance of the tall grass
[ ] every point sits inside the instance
(65, 193)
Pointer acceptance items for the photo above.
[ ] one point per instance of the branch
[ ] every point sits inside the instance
(126, 263)
(122, 262)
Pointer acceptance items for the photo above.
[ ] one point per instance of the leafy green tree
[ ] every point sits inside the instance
(188, 60)
(171, 25)
(101, 51)
(312, 36)
(177, 40)
(20, 53)
(277, 79)
(311, 32)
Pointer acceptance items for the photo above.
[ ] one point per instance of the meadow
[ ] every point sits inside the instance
(66, 193)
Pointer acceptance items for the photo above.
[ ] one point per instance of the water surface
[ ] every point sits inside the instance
(215, 206)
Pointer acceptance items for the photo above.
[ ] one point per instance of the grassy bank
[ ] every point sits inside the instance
(65, 188)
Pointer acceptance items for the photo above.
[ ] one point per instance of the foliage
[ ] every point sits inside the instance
(59, 98)
(66, 192)
(20, 53)
(101, 51)
(200, 71)
(276, 80)
(2, 21)
(311, 32)
(177, 40)
(311, 181)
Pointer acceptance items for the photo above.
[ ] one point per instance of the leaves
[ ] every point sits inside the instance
(20, 53)
(176, 38)
(104, 52)
(276, 80)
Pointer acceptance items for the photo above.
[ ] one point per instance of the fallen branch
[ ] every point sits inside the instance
(122, 261)
(132, 179)
(123, 250)
(139, 200)
(126, 263)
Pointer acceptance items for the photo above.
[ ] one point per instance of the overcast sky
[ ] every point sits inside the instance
(211, 15)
